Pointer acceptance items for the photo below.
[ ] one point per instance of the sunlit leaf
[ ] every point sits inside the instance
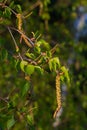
(54, 64)
(66, 74)
(45, 45)
(29, 69)
(23, 64)
(30, 55)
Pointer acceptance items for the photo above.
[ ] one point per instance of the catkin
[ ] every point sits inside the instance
(19, 17)
(58, 94)
(26, 41)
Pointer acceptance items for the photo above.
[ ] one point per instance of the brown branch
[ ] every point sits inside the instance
(3, 99)
(35, 5)
(23, 35)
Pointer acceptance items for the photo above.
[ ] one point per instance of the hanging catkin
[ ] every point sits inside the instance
(19, 17)
(20, 22)
(58, 94)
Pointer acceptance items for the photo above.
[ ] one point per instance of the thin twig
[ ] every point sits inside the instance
(20, 56)
(23, 35)
(12, 37)
(30, 61)
(54, 48)
(27, 15)
(42, 54)
(3, 99)
(35, 5)
(16, 46)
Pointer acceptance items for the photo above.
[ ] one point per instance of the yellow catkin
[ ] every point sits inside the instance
(26, 41)
(19, 17)
(58, 94)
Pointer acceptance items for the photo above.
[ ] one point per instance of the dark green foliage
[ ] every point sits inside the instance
(28, 69)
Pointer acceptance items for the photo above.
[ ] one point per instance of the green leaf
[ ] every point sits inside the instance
(25, 89)
(36, 35)
(56, 60)
(54, 64)
(14, 100)
(7, 13)
(29, 69)
(10, 123)
(18, 8)
(11, 5)
(30, 119)
(37, 49)
(45, 45)
(30, 55)
(49, 54)
(16, 62)
(23, 64)
(50, 65)
(39, 69)
(66, 74)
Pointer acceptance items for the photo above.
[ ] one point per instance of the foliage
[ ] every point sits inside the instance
(30, 62)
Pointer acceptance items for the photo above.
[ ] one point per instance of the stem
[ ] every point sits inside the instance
(23, 35)
(3, 99)
(16, 46)
(12, 37)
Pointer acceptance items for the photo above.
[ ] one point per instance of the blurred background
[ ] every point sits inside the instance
(62, 22)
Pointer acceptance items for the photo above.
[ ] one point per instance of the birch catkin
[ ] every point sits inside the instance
(20, 22)
(19, 17)
(58, 94)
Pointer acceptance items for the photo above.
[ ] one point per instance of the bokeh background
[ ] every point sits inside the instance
(62, 22)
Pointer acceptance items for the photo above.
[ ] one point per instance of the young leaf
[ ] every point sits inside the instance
(37, 49)
(30, 119)
(45, 45)
(18, 8)
(48, 53)
(30, 55)
(23, 64)
(10, 123)
(56, 59)
(66, 74)
(11, 5)
(7, 13)
(50, 65)
(29, 69)
(54, 64)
